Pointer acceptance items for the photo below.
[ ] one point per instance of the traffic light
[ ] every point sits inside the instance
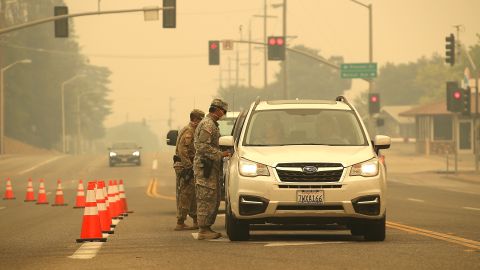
(214, 52)
(454, 97)
(61, 26)
(450, 49)
(170, 15)
(373, 103)
(276, 48)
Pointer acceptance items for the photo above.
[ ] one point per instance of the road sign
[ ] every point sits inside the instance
(227, 45)
(358, 70)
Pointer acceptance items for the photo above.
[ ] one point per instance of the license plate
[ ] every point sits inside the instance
(310, 196)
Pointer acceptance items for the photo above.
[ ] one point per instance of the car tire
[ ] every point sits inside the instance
(236, 230)
(375, 230)
(139, 163)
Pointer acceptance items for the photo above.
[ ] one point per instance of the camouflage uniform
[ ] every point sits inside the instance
(206, 140)
(186, 201)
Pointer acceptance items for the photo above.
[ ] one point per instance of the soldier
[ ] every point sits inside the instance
(206, 165)
(185, 152)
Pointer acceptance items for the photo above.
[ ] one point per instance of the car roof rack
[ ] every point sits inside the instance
(257, 100)
(344, 100)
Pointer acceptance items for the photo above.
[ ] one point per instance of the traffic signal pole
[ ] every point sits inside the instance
(54, 18)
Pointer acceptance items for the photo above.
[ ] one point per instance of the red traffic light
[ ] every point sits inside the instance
(457, 94)
(272, 41)
(214, 45)
(374, 99)
(280, 41)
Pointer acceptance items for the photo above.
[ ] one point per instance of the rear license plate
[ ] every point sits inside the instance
(310, 196)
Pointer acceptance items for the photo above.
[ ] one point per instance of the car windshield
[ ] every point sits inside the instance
(124, 145)
(304, 127)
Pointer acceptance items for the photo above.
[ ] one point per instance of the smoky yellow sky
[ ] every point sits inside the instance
(149, 64)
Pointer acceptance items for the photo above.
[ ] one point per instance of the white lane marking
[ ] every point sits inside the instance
(155, 165)
(88, 250)
(471, 208)
(282, 244)
(40, 164)
(2, 207)
(415, 200)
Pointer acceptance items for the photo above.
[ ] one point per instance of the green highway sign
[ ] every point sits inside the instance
(358, 70)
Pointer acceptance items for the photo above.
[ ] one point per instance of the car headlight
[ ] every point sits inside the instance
(367, 168)
(113, 154)
(136, 153)
(252, 169)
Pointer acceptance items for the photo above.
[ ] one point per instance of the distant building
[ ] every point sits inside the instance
(439, 131)
(396, 126)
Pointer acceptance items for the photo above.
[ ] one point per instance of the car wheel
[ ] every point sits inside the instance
(375, 230)
(236, 230)
(139, 163)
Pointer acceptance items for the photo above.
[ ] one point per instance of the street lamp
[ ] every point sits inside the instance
(2, 110)
(64, 146)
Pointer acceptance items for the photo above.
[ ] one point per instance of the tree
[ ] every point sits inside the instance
(32, 92)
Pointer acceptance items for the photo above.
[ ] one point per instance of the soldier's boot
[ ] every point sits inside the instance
(195, 223)
(207, 233)
(181, 226)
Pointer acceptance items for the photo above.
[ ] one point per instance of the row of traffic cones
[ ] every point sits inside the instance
(59, 197)
(101, 207)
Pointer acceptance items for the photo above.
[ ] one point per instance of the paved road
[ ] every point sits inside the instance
(429, 227)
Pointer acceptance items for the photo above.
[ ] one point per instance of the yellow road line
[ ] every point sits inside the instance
(152, 191)
(440, 236)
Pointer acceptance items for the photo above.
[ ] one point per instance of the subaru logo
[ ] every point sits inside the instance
(309, 169)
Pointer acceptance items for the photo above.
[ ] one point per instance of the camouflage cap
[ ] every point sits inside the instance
(197, 114)
(219, 104)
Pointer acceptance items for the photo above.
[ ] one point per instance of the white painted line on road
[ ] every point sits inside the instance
(155, 165)
(2, 207)
(40, 164)
(87, 251)
(283, 244)
(415, 200)
(471, 208)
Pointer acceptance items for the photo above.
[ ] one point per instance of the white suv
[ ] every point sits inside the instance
(304, 162)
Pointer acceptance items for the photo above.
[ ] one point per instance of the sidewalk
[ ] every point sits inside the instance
(402, 159)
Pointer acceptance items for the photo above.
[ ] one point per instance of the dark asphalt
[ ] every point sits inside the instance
(43, 237)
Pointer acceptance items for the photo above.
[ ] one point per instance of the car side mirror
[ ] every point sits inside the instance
(172, 137)
(381, 142)
(226, 141)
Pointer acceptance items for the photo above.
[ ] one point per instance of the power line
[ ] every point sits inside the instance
(98, 55)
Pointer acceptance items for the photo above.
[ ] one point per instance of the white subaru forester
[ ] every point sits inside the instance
(304, 162)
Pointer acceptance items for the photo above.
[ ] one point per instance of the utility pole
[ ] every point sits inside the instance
(285, 87)
(229, 71)
(265, 50)
(250, 53)
(170, 109)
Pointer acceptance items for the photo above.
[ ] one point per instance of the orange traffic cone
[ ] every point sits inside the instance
(80, 200)
(123, 201)
(105, 219)
(120, 208)
(9, 191)
(59, 199)
(107, 203)
(112, 201)
(42, 196)
(91, 230)
(30, 196)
